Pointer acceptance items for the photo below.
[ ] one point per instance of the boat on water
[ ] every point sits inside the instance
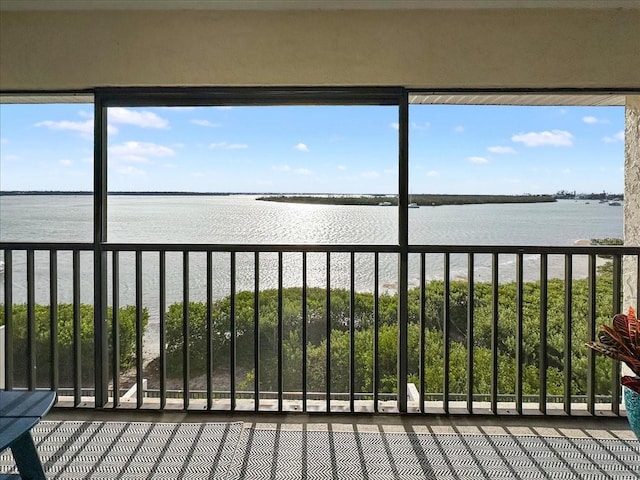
(614, 204)
(414, 205)
(1, 266)
(385, 204)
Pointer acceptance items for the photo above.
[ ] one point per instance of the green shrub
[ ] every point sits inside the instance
(127, 324)
(340, 317)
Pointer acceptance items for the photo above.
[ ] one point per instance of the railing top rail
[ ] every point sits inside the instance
(537, 249)
(364, 248)
(46, 246)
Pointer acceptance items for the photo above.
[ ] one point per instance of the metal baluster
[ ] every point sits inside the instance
(162, 307)
(519, 330)
(328, 327)
(53, 319)
(446, 333)
(31, 322)
(591, 332)
(139, 332)
(186, 336)
(352, 334)
(209, 331)
(304, 331)
(470, 331)
(280, 334)
(423, 338)
(376, 329)
(494, 333)
(568, 301)
(256, 331)
(77, 332)
(115, 327)
(8, 319)
(616, 389)
(233, 328)
(544, 302)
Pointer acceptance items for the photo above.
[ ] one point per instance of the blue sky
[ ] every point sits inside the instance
(453, 149)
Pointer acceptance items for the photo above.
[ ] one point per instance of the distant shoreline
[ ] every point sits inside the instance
(82, 192)
(418, 200)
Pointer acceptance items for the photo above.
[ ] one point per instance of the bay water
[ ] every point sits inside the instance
(242, 219)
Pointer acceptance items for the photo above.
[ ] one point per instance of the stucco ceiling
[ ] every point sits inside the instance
(308, 4)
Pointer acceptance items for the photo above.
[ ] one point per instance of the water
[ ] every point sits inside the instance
(242, 219)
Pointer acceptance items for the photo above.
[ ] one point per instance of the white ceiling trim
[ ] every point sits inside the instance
(27, 5)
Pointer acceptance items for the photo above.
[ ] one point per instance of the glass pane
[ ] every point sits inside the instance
(227, 175)
(46, 172)
(557, 163)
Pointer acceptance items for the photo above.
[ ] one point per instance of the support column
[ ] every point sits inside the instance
(631, 199)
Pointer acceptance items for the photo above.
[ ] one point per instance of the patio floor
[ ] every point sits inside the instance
(139, 445)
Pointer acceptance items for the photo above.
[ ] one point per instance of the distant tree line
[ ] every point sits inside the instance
(421, 199)
(571, 195)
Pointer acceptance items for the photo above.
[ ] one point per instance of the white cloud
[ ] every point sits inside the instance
(617, 137)
(85, 127)
(301, 147)
(65, 163)
(281, 168)
(433, 173)
(395, 125)
(592, 120)
(420, 126)
(341, 167)
(205, 123)
(555, 138)
(501, 149)
(459, 129)
(371, 174)
(304, 171)
(137, 152)
(142, 119)
(228, 146)
(478, 160)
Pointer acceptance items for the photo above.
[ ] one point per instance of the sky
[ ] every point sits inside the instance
(316, 149)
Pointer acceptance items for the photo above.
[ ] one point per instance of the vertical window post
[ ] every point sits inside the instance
(403, 243)
(99, 255)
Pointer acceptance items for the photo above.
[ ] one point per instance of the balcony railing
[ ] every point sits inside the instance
(315, 328)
